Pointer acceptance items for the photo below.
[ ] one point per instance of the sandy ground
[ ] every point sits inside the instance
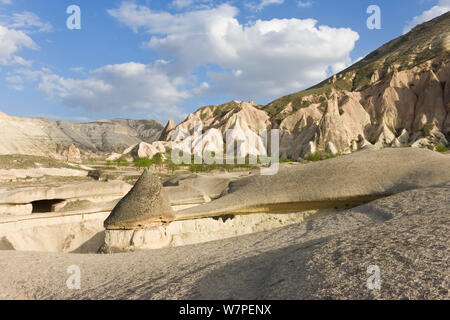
(406, 236)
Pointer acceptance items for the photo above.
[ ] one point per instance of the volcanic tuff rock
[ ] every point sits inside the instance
(61, 139)
(325, 258)
(339, 182)
(238, 119)
(146, 205)
(395, 96)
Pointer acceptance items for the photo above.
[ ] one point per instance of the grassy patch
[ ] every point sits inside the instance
(17, 161)
(441, 148)
(322, 155)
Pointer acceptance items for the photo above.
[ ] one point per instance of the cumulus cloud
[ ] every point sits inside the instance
(12, 41)
(442, 7)
(128, 87)
(262, 59)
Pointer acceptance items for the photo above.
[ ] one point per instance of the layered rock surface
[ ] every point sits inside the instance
(344, 181)
(69, 141)
(326, 258)
(396, 96)
(146, 205)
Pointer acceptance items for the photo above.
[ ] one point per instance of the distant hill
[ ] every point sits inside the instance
(37, 136)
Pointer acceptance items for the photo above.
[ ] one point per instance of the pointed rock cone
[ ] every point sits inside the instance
(145, 206)
(165, 134)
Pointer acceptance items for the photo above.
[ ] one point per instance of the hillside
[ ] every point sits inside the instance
(61, 139)
(398, 95)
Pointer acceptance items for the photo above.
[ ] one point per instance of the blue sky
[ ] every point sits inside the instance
(154, 59)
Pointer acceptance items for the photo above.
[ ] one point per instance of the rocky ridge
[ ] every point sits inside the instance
(399, 95)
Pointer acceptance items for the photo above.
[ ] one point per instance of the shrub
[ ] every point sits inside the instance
(143, 162)
(322, 155)
(121, 162)
(441, 148)
(427, 129)
(314, 157)
(95, 174)
(158, 159)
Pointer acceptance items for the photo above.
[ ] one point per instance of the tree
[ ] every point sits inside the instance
(143, 162)
(157, 159)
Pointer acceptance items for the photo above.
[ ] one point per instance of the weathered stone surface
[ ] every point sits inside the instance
(53, 138)
(170, 126)
(335, 182)
(85, 190)
(406, 235)
(210, 187)
(186, 232)
(16, 209)
(13, 174)
(72, 154)
(82, 233)
(146, 205)
(331, 129)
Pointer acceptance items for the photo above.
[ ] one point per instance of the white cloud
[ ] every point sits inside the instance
(182, 3)
(77, 69)
(261, 60)
(5, 1)
(304, 4)
(12, 41)
(128, 87)
(263, 3)
(442, 7)
(192, 4)
(25, 21)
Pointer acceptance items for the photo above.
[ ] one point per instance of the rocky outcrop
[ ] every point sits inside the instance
(239, 121)
(146, 205)
(85, 197)
(405, 235)
(170, 126)
(331, 134)
(63, 140)
(340, 182)
(391, 98)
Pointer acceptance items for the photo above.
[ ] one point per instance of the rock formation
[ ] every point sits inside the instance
(146, 205)
(392, 97)
(343, 181)
(170, 126)
(60, 139)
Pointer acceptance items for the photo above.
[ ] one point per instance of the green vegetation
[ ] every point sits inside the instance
(322, 155)
(121, 162)
(343, 101)
(427, 129)
(143, 162)
(157, 159)
(441, 148)
(223, 109)
(18, 161)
